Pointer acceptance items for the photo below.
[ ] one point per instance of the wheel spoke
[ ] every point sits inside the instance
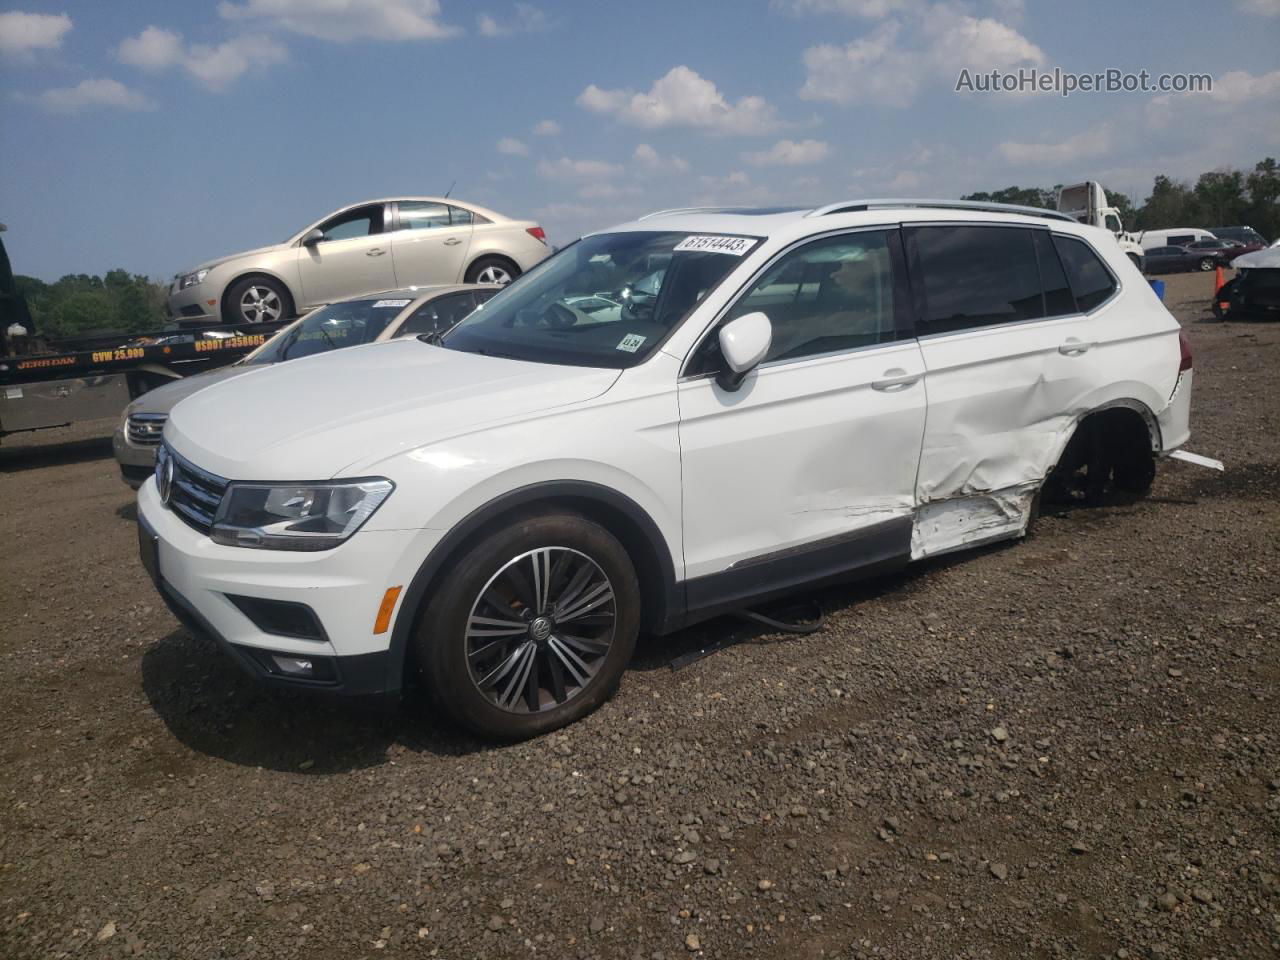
(524, 592)
(594, 648)
(541, 561)
(601, 593)
(515, 685)
(571, 661)
(576, 584)
(505, 667)
(555, 676)
(494, 627)
(532, 691)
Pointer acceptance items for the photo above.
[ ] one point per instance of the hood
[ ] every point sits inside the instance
(1267, 258)
(210, 264)
(162, 399)
(318, 417)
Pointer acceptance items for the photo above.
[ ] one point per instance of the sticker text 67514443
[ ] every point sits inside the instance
(734, 246)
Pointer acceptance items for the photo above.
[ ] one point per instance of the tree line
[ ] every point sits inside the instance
(81, 303)
(1219, 198)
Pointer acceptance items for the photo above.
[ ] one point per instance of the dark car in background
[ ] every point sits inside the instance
(1181, 259)
(1249, 238)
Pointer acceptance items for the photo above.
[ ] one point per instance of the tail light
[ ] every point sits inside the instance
(1184, 359)
(537, 233)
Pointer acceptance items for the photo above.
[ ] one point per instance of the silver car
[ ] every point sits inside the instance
(375, 245)
(413, 311)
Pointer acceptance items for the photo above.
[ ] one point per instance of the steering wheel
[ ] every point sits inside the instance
(559, 316)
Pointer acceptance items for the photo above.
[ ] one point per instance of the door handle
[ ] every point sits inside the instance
(452, 242)
(375, 252)
(894, 379)
(1071, 347)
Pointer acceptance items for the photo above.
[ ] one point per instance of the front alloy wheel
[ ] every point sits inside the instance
(260, 304)
(540, 630)
(532, 626)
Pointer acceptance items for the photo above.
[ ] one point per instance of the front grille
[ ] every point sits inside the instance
(145, 428)
(195, 493)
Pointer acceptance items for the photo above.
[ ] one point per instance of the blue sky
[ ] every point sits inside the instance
(152, 135)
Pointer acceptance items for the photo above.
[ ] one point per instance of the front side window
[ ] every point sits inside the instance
(438, 315)
(330, 328)
(606, 301)
(1112, 223)
(970, 276)
(1091, 281)
(360, 222)
(830, 295)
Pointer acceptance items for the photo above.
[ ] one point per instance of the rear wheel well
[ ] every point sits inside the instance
(1114, 443)
(291, 308)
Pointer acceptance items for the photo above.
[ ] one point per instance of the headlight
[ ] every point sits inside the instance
(316, 516)
(191, 279)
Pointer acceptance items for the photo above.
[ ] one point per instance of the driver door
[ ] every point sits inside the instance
(808, 469)
(354, 257)
(430, 243)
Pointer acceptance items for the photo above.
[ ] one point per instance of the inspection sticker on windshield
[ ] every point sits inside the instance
(391, 303)
(631, 342)
(734, 246)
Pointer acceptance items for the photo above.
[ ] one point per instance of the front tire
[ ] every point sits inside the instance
(532, 628)
(492, 270)
(257, 300)
(1206, 264)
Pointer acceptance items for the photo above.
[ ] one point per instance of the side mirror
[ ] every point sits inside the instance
(744, 342)
(312, 237)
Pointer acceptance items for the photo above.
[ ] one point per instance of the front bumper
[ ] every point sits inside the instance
(136, 461)
(205, 585)
(191, 306)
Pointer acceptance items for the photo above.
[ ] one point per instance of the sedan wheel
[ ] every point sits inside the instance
(540, 629)
(1206, 264)
(260, 304)
(494, 274)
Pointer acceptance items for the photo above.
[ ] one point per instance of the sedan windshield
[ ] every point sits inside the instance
(605, 301)
(337, 325)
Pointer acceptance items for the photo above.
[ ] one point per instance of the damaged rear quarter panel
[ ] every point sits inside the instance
(1003, 402)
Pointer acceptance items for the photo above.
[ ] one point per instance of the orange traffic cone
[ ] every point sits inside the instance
(1217, 279)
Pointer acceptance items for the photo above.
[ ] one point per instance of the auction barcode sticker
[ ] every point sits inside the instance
(734, 246)
(383, 304)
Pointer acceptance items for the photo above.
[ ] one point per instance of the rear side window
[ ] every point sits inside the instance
(1058, 299)
(1091, 281)
(972, 276)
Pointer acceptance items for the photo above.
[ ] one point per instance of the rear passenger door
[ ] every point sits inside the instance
(1008, 354)
(430, 242)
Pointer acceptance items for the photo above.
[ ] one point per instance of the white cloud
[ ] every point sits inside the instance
(1237, 90)
(1083, 146)
(219, 66)
(567, 169)
(21, 33)
(607, 191)
(153, 49)
(790, 153)
(682, 98)
(1263, 8)
(215, 67)
(546, 128)
(526, 18)
(878, 68)
(513, 147)
(101, 92)
(344, 20)
(649, 160)
(868, 9)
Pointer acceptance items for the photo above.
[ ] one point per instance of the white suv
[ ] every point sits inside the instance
(677, 417)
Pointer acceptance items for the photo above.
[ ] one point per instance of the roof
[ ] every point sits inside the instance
(414, 292)
(1267, 258)
(801, 221)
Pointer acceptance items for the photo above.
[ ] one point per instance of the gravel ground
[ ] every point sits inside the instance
(1063, 747)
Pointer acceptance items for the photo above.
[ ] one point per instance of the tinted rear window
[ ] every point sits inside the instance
(975, 276)
(1091, 281)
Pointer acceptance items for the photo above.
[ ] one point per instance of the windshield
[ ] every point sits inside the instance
(605, 301)
(337, 325)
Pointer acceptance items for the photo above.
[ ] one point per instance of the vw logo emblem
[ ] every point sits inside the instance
(540, 629)
(164, 480)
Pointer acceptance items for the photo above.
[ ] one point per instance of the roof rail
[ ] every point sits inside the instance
(674, 210)
(853, 206)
